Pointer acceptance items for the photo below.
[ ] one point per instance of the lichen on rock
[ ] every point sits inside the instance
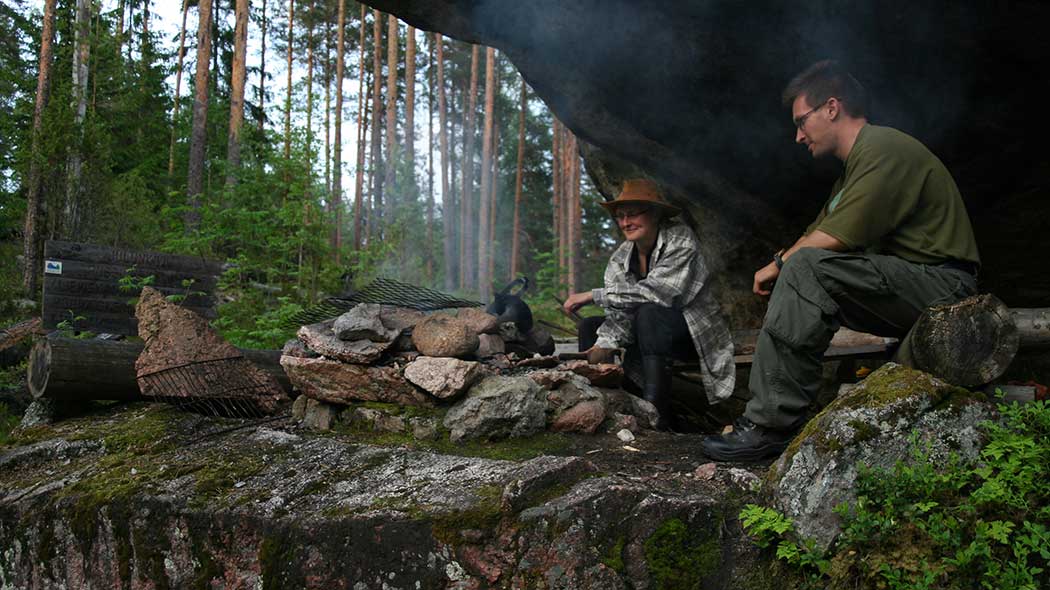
(885, 419)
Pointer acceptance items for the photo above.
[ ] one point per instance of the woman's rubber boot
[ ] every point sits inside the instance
(656, 370)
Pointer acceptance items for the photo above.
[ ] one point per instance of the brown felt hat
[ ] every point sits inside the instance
(641, 191)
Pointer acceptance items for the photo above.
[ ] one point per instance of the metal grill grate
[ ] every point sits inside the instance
(382, 291)
(226, 387)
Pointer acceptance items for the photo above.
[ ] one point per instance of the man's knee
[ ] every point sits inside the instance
(587, 330)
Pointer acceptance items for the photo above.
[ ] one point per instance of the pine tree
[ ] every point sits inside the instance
(516, 230)
(361, 124)
(447, 208)
(81, 55)
(376, 168)
(31, 250)
(391, 119)
(238, 74)
(468, 229)
(195, 175)
(337, 148)
(484, 211)
(288, 92)
(178, 88)
(262, 68)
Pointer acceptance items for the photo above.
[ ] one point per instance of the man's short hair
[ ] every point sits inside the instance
(826, 79)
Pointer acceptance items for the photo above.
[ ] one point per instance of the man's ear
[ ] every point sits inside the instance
(834, 108)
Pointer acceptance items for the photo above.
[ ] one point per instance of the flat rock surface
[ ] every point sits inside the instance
(341, 383)
(322, 339)
(207, 504)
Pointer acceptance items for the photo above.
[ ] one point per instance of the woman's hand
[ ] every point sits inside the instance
(577, 300)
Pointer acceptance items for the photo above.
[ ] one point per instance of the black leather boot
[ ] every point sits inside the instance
(656, 370)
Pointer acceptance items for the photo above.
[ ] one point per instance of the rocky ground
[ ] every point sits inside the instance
(146, 496)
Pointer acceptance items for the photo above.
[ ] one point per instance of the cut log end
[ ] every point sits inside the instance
(968, 343)
(39, 369)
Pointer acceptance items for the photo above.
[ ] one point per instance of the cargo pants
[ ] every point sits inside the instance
(817, 292)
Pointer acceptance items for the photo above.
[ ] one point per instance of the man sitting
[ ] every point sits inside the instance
(893, 239)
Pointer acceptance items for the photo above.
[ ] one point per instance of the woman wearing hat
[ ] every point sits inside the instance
(657, 300)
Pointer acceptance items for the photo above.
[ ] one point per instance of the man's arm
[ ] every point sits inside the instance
(817, 239)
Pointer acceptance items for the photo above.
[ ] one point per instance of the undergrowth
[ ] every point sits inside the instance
(984, 525)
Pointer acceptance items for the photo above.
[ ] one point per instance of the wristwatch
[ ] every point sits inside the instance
(778, 259)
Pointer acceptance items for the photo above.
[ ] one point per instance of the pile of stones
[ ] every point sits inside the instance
(455, 373)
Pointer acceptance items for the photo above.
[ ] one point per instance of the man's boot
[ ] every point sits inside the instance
(656, 370)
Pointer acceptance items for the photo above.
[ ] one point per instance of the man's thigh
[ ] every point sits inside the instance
(884, 295)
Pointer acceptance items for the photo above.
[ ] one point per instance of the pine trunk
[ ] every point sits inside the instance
(493, 194)
(195, 174)
(410, 101)
(178, 88)
(81, 55)
(360, 176)
(556, 208)
(447, 208)
(430, 161)
(391, 119)
(469, 227)
(515, 246)
(240, 48)
(262, 71)
(484, 209)
(337, 142)
(574, 214)
(328, 114)
(376, 181)
(34, 210)
(288, 92)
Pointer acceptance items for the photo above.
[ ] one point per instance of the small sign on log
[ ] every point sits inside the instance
(93, 287)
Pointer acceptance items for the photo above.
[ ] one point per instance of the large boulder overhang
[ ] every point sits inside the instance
(688, 91)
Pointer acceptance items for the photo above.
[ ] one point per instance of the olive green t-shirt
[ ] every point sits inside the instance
(896, 197)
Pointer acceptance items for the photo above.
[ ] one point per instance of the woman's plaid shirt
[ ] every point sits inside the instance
(678, 278)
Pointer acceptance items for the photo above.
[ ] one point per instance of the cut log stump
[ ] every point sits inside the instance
(968, 343)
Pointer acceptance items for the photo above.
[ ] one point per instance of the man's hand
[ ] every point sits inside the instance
(597, 356)
(577, 300)
(764, 279)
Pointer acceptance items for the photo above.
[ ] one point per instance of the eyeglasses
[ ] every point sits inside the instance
(801, 121)
(623, 215)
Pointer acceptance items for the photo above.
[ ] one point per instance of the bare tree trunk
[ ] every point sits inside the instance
(359, 181)
(410, 102)
(120, 27)
(262, 71)
(81, 55)
(31, 247)
(376, 155)
(391, 118)
(573, 156)
(337, 146)
(516, 230)
(240, 49)
(470, 272)
(447, 197)
(288, 92)
(195, 175)
(178, 88)
(430, 161)
(493, 194)
(484, 252)
(328, 114)
(556, 242)
(309, 98)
